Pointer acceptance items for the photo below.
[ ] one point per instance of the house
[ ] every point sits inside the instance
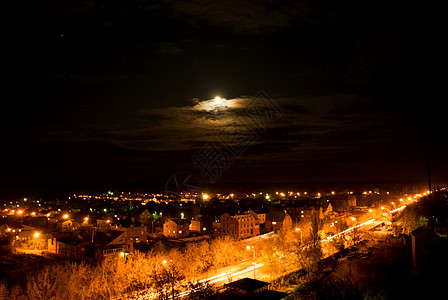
(134, 230)
(278, 220)
(240, 226)
(259, 216)
(111, 244)
(328, 211)
(342, 202)
(145, 216)
(247, 286)
(176, 228)
(196, 226)
(68, 225)
(104, 245)
(72, 247)
(103, 225)
(306, 213)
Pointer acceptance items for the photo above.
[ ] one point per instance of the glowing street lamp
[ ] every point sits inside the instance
(298, 229)
(36, 236)
(253, 249)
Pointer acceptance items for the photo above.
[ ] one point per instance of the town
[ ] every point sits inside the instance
(111, 224)
(214, 238)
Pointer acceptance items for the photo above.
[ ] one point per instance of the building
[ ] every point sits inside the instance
(176, 228)
(306, 213)
(72, 247)
(196, 226)
(248, 288)
(103, 225)
(259, 216)
(111, 245)
(240, 226)
(68, 225)
(278, 220)
(134, 230)
(105, 245)
(342, 202)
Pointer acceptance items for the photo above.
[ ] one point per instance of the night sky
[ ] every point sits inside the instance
(117, 92)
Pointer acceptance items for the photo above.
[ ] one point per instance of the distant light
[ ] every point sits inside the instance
(204, 196)
(218, 100)
(65, 216)
(36, 234)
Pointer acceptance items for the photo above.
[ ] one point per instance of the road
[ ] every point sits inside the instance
(248, 268)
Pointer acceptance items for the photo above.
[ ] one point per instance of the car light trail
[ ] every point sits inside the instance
(349, 229)
(398, 209)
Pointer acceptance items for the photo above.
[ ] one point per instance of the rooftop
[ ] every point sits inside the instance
(248, 285)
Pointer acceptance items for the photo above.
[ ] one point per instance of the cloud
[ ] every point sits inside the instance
(306, 126)
(251, 16)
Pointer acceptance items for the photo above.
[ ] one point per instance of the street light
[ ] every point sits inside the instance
(298, 229)
(253, 249)
(36, 235)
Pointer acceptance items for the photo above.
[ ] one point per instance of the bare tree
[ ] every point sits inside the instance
(167, 280)
(315, 229)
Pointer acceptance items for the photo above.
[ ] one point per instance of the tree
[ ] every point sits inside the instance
(200, 290)
(271, 254)
(308, 259)
(167, 280)
(315, 229)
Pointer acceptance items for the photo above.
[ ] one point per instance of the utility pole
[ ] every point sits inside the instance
(431, 219)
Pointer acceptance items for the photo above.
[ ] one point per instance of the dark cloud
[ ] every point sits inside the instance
(250, 17)
(98, 84)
